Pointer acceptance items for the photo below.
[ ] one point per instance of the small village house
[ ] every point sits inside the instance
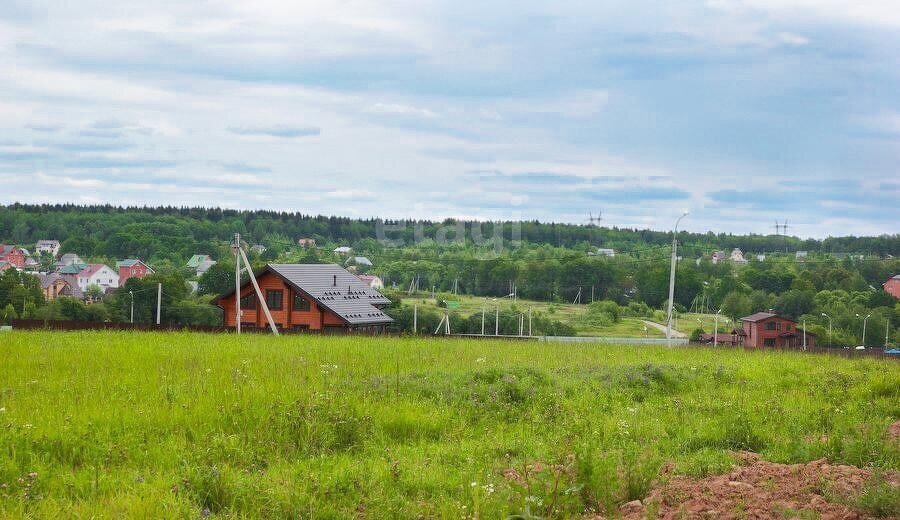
(320, 297)
(343, 250)
(892, 286)
(132, 268)
(101, 275)
(737, 256)
(68, 259)
(55, 284)
(359, 261)
(200, 264)
(47, 246)
(766, 329)
(13, 255)
(375, 282)
(718, 256)
(204, 266)
(306, 242)
(196, 260)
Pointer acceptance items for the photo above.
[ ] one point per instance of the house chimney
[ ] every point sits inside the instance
(334, 283)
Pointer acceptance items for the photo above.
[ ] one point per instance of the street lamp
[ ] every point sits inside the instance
(829, 326)
(716, 330)
(130, 293)
(672, 279)
(864, 327)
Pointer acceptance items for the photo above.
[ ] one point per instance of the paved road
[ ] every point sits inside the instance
(662, 328)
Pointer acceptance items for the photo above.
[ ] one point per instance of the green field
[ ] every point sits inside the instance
(568, 313)
(155, 425)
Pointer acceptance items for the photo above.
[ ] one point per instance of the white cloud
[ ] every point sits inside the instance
(400, 109)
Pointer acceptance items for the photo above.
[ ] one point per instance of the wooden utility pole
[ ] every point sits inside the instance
(482, 320)
(415, 318)
(235, 246)
(158, 302)
(259, 293)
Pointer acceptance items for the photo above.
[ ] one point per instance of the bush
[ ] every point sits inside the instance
(695, 335)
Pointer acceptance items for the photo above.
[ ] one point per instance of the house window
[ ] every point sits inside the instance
(300, 303)
(769, 342)
(770, 325)
(274, 299)
(248, 302)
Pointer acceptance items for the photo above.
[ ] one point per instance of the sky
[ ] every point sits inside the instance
(742, 112)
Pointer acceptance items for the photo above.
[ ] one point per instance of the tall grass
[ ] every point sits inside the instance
(114, 424)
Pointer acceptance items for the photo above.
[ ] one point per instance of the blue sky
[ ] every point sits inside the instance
(743, 111)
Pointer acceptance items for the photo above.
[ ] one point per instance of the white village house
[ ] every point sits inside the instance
(47, 246)
(98, 274)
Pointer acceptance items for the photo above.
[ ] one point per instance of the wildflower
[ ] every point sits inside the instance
(474, 483)
(480, 360)
(2, 409)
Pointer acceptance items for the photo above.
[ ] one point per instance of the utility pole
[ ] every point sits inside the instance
(804, 333)
(672, 280)
(482, 320)
(415, 318)
(829, 328)
(887, 327)
(158, 301)
(259, 294)
(577, 296)
(529, 321)
(592, 294)
(131, 293)
(497, 321)
(235, 246)
(716, 330)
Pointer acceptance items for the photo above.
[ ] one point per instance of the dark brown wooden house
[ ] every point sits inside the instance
(319, 297)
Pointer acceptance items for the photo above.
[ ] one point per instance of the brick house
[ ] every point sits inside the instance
(320, 297)
(892, 286)
(13, 256)
(132, 268)
(765, 329)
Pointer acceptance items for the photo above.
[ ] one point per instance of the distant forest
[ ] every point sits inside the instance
(174, 234)
(839, 277)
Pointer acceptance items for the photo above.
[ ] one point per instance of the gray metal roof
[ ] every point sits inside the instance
(336, 289)
(758, 316)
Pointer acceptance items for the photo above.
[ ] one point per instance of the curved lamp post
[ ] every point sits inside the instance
(672, 279)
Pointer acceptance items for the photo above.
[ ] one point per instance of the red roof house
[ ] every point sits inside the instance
(323, 297)
(893, 286)
(132, 268)
(12, 255)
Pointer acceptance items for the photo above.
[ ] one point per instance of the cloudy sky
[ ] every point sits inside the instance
(743, 111)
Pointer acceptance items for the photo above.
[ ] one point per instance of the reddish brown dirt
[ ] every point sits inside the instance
(759, 489)
(894, 432)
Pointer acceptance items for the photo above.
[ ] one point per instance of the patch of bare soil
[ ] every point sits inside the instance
(894, 432)
(760, 489)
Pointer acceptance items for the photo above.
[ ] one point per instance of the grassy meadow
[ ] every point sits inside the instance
(113, 424)
(571, 314)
